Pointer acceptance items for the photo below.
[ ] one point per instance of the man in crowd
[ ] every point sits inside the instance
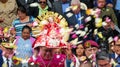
(116, 54)
(103, 59)
(91, 47)
(105, 10)
(74, 16)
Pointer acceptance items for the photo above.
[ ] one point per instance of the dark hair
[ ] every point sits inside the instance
(27, 27)
(46, 2)
(74, 49)
(86, 63)
(22, 9)
(102, 55)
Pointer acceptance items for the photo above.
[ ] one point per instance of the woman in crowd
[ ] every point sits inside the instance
(23, 20)
(8, 10)
(43, 7)
(80, 54)
(24, 43)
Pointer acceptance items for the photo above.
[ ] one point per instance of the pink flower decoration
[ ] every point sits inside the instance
(74, 36)
(81, 26)
(74, 46)
(115, 38)
(107, 19)
(98, 11)
(85, 36)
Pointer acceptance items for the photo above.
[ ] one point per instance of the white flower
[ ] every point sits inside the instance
(104, 23)
(88, 19)
(69, 15)
(34, 4)
(44, 22)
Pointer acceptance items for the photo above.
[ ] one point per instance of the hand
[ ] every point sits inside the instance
(13, 32)
(110, 5)
(112, 25)
(68, 53)
(36, 52)
(30, 24)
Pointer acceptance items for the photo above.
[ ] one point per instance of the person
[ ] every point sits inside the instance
(73, 16)
(46, 57)
(79, 52)
(115, 55)
(8, 9)
(108, 30)
(109, 3)
(31, 11)
(8, 51)
(103, 59)
(111, 44)
(70, 58)
(43, 7)
(23, 20)
(91, 47)
(62, 5)
(24, 41)
(105, 10)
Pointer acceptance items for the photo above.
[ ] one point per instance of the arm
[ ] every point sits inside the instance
(114, 18)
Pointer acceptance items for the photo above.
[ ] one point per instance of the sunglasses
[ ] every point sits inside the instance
(42, 2)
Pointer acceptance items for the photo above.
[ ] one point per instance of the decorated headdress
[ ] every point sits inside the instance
(9, 45)
(53, 31)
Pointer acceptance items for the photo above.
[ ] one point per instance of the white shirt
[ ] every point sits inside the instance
(116, 55)
(5, 61)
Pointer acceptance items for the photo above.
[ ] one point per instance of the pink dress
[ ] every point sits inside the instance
(56, 61)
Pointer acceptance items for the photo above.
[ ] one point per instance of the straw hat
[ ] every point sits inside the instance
(8, 45)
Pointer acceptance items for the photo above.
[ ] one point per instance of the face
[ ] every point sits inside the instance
(104, 63)
(56, 51)
(46, 53)
(80, 50)
(21, 15)
(8, 52)
(43, 3)
(90, 51)
(117, 47)
(111, 45)
(26, 34)
(77, 10)
(101, 3)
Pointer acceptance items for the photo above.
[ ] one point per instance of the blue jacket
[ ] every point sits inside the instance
(1, 59)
